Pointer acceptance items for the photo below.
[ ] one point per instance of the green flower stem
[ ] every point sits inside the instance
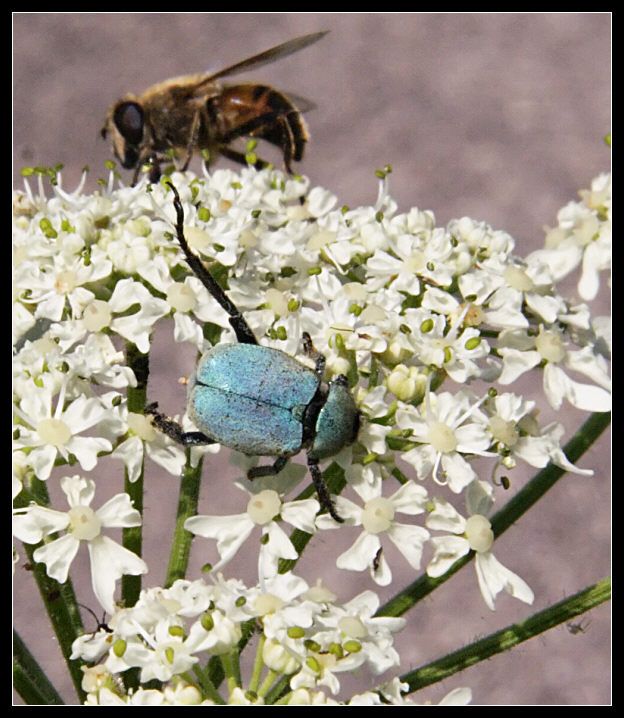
(335, 480)
(29, 680)
(258, 665)
(509, 637)
(503, 519)
(187, 507)
(278, 689)
(132, 538)
(59, 600)
(268, 682)
(231, 668)
(207, 686)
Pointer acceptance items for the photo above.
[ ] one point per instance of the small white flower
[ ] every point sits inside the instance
(109, 560)
(377, 518)
(263, 508)
(473, 533)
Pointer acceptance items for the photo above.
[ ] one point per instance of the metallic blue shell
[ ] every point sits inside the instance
(252, 398)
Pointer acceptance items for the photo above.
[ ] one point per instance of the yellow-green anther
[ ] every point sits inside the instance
(380, 174)
(352, 646)
(46, 227)
(370, 458)
(314, 270)
(336, 650)
(340, 345)
(236, 185)
(251, 158)
(203, 213)
(379, 216)
(472, 343)
(429, 506)
(39, 382)
(207, 622)
(448, 354)
(293, 305)
(295, 632)
(102, 222)
(206, 568)
(492, 392)
(218, 247)
(345, 208)
(251, 145)
(355, 309)
(312, 663)
(205, 155)
(119, 647)
(240, 601)
(66, 226)
(110, 164)
(16, 434)
(282, 334)
(176, 631)
(169, 654)
(264, 539)
(430, 266)
(312, 645)
(405, 329)
(27, 171)
(426, 326)
(255, 213)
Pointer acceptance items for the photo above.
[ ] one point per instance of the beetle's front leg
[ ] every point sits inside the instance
(174, 431)
(310, 350)
(322, 490)
(270, 470)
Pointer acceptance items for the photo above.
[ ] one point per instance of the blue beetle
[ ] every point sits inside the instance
(261, 401)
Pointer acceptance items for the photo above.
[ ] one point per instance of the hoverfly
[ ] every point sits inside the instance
(195, 112)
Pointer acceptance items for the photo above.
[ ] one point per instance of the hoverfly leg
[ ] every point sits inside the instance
(241, 158)
(192, 144)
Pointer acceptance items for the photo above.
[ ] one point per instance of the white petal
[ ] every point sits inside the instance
(516, 363)
(494, 577)
(445, 517)
(411, 499)
(458, 471)
(118, 511)
(83, 413)
(58, 556)
(109, 562)
(479, 498)
(361, 554)
(230, 532)
(583, 396)
(79, 490)
(410, 541)
(301, 514)
(350, 512)
(167, 454)
(447, 550)
(42, 460)
(131, 453)
(37, 522)
(380, 570)
(86, 449)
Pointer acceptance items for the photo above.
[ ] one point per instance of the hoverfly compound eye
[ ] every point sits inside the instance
(128, 119)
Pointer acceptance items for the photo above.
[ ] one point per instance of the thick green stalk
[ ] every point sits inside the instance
(509, 637)
(29, 680)
(132, 538)
(187, 507)
(503, 519)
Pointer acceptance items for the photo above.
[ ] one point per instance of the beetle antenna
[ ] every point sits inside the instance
(243, 331)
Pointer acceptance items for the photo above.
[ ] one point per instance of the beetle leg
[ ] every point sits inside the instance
(257, 471)
(309, 350)
(241, 328)
(174, 431)
(322, 490)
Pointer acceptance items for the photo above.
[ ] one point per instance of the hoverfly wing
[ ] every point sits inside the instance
(264, 58)
(301, 103)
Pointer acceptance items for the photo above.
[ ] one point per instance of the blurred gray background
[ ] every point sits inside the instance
(496, 116)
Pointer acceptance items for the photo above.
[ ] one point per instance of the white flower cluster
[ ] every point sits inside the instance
(393, 302)
(303, 636)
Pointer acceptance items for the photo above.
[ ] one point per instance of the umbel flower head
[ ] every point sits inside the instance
(430, 325)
